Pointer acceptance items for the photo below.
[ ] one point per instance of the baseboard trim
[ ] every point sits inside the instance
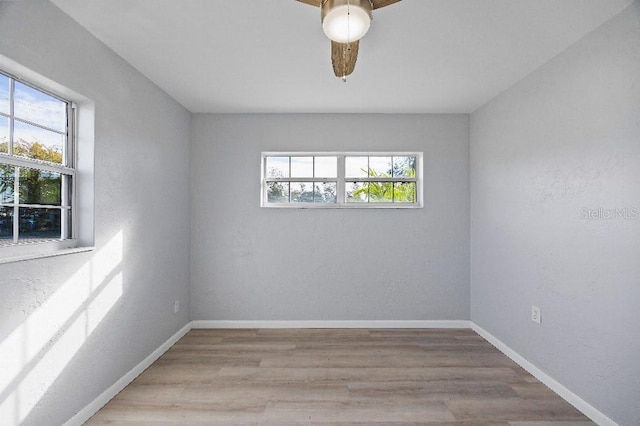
(333, 324)
(85, 414)
(573, 399)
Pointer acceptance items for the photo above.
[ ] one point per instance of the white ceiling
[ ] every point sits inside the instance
(272, 56)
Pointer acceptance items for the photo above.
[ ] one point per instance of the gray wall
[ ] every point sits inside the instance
(80, 322)
(561, 143)
(251, 263)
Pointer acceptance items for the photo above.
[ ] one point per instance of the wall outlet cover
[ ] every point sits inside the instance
(536, 315)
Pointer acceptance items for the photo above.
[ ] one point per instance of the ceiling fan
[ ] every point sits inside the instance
(345, 22)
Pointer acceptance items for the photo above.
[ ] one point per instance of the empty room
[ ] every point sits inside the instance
(320, 212)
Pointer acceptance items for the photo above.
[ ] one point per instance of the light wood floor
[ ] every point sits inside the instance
(336, 376)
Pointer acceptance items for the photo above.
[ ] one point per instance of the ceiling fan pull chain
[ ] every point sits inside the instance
(344, 62)
(344, 51)
(348, 21)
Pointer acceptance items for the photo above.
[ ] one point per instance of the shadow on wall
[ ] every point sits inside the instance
(36, 353)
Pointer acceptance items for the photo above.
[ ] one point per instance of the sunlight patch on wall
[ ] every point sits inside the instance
(38, 350)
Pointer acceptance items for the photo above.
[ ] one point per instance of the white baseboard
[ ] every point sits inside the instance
(573, 399)
(333, 324)
(106, 396)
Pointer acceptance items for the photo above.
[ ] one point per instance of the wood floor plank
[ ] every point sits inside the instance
(368, 412)
(394, 361)
(370, 374)
(175, 373)
(552, 423)
(235, 348)
(513, 409)
(429, 391)
(266, 392)
(446, 377)
(535, 390)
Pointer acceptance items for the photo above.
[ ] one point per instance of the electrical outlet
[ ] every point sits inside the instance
(536, 314)
(176, 307)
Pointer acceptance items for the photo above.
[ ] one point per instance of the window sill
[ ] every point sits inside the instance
(365, 206)
(30, 251)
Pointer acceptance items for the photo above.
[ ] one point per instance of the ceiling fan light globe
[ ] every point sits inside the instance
(346, 23)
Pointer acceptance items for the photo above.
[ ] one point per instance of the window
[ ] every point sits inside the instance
(36, 165)
(352, 180)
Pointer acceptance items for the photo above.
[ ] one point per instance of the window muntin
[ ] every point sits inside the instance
(36, 164)
(341, 180)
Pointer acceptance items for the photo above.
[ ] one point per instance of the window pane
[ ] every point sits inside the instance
(40, 108)
(7, 180)
(326, 167)
(40, 187)
(39, 224)
(324, 192)
(6, 225)
(278, 192)
(380, 192)
(356, 167)
(4, 94)
(404, 167)
(404, 192)
(4, 135)
(66, 217)
(301, 167)
(277, 167)
(301, 192)
(33, 142)
(380, 166)
(357, 192)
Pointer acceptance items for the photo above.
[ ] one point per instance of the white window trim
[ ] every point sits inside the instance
(82, 129)
(341, 180)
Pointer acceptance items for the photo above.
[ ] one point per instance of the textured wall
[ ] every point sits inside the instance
(250, 263)
(75, 324)
(550, 159)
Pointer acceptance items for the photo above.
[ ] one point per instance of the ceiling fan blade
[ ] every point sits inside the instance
(316, 3)
(377, 4)
(344, 57)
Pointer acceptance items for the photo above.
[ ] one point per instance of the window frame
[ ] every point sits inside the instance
(19, 250)
(341, 180)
